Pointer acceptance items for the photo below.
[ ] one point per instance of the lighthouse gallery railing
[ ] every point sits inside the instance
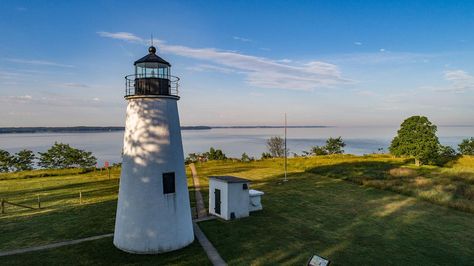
(140, 84)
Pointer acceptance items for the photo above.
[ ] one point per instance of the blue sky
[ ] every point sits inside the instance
(339, 63)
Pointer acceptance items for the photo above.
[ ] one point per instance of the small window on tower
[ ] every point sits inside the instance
(168, 183)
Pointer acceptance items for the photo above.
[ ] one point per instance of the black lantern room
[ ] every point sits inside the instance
(152, 77)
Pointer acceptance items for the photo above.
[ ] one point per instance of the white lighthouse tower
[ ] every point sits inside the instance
(153, 212)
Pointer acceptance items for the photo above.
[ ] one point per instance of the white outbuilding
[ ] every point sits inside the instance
(230, 197)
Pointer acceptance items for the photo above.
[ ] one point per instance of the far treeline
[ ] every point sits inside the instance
(415, 139)
(59, 156)
(89, 129)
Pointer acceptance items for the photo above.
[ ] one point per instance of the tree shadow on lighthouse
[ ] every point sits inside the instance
(153, 211)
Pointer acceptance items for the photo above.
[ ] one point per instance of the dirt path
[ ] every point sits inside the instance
(200, 209)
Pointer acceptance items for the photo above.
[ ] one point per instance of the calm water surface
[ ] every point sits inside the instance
(107, 146)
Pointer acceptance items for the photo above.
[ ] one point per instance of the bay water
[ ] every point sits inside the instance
(107, 146)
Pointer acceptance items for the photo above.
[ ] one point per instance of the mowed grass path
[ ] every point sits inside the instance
(316, 212)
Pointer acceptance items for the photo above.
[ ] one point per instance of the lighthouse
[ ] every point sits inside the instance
(153, 210)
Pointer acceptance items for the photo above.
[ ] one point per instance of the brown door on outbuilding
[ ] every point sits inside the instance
(217, 201)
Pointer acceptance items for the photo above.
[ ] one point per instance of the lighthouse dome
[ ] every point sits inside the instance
(152, 77)
(151, 57)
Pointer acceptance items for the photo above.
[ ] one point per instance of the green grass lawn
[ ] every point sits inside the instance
(389, 213)
(317, 212)
(62, 218)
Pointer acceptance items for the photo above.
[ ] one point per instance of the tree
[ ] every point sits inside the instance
(276, 147)
(266, 155)
(64, 156)
(318, 150)
(334, 145)
(5, 161)
(466, 147)
(417, 138)
(23, 160)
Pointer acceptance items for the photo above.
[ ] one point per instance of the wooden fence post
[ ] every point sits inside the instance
(108, 169)
(80, 197)
(3, 206)
(39, 202)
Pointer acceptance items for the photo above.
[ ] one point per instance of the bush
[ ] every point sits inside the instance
(466, 147)
(266, 155)
(319, 150)
(214, 154)
(333, 146)
(192, 158)
(445, 155)
(64, 156)
(246, 158)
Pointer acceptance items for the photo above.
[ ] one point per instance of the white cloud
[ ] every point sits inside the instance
(73, 85)
(460, 80)
(4, 75)
(37, 62)
(382, 50)
(241, 39)
(124, 36)
(358, 43)
(381, 58)
(212, 68)
(260, 71)
(256, 94)
(50, 100)
(17, 99)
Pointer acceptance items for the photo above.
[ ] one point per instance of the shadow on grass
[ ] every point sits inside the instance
(73, 222)
(103, 252)
(450, 189)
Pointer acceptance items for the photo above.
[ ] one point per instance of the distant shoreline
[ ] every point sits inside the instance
(87, 129)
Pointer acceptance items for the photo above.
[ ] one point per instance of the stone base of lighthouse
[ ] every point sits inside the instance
(149, 218)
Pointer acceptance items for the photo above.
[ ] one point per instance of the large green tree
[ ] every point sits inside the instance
(64, 156)
(417, 138)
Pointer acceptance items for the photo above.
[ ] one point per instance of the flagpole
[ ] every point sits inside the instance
(286, 154)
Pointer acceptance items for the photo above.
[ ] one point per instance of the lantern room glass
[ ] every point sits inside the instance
(152, 70)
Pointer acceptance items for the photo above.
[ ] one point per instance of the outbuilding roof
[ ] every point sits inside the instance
(230, 179)
(151, 57)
